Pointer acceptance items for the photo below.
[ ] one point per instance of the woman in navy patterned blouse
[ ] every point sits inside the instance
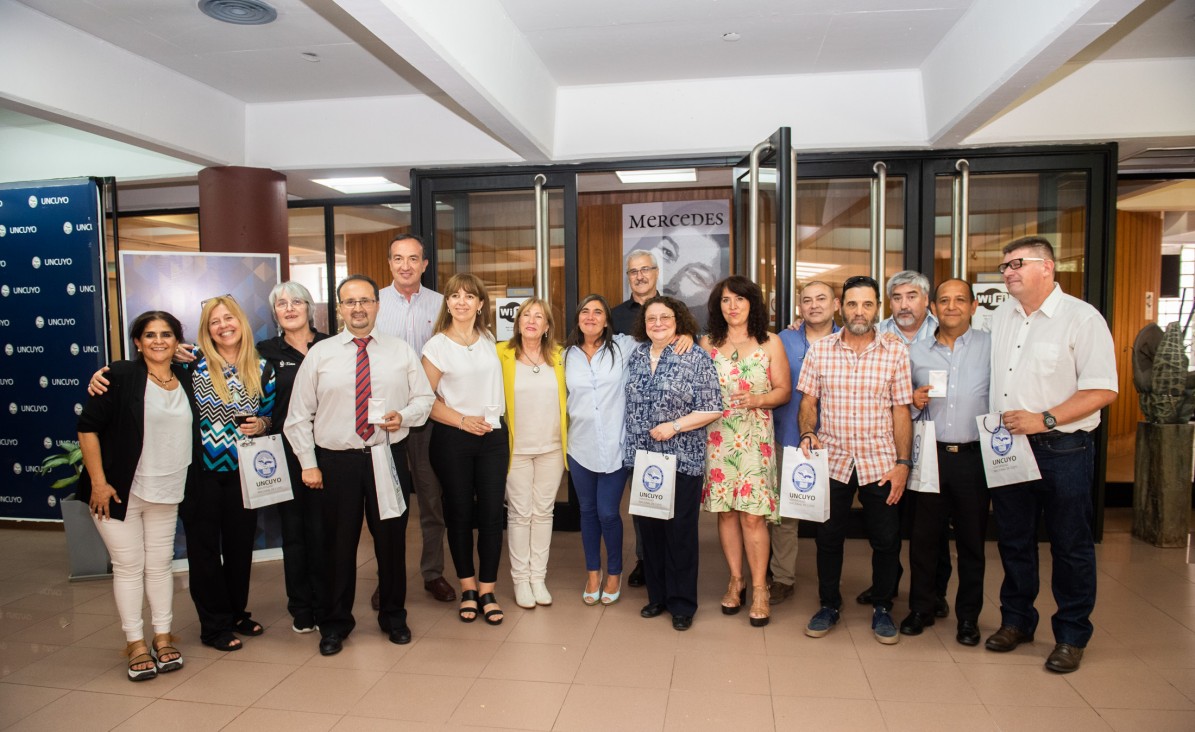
(670, 400)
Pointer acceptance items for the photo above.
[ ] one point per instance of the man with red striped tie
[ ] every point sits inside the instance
(341, 381)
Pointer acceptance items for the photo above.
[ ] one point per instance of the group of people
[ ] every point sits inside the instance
(420, 373)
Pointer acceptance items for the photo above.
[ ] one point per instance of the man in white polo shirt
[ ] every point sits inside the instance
(1053, 370)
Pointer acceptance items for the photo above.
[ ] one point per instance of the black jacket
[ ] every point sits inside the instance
(118, 417)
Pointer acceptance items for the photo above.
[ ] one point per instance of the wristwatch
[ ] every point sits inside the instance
(906, 463)
(676, 426)
(1050, 420)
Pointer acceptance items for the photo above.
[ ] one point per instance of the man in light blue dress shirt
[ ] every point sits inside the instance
(962, 355)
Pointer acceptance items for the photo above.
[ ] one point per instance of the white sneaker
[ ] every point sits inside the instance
(524, 597)
(540, 590)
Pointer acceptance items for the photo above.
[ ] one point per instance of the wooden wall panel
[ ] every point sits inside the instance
(1138, 270)
(599, 234)
(367, 254)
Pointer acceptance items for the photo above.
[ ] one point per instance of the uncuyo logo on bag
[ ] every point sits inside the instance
(804, 477)
(265, 464)
(916, 448)
(1001, 441)
(653, 478)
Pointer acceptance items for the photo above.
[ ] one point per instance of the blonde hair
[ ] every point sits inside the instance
(247, 359)
(472, 285)
(549, 340)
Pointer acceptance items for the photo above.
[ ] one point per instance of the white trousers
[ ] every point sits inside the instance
(142, 550)
(531, 486)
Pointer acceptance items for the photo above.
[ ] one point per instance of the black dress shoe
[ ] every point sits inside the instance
(1006, 639)
(635, 578)
(968, 633)
(915, 623)
(375, 600)
(652, 609)
(941, 608)
(400, 635)
(1064, 658)
(864, 597)
(682, 622)
(330, 645)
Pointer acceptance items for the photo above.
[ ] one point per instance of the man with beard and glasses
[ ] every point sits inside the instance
(911, 322)
(861, 383)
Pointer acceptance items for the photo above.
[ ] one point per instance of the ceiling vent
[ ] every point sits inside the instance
(239, 12)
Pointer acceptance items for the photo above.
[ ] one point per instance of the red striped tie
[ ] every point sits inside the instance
(364, 428)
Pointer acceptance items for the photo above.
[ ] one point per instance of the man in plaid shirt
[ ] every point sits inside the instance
(862, 384)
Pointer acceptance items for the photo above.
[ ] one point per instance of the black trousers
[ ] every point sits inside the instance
(883, 531)
(472, 474)
(219, 532)
(670, 550)
(963, 500)
(302, 534)
(348, 496)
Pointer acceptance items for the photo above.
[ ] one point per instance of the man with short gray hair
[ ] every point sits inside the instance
(643, 272)
(908, 299)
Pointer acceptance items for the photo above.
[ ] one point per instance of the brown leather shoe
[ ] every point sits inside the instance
(780, 592)
(1064, 658)
(440, 589)
(375, 601)
(1007, 639)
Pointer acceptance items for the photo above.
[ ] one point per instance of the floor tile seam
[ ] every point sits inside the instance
(43, 706)
(213, 664)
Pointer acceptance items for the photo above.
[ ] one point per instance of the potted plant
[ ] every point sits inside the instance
(88, 555)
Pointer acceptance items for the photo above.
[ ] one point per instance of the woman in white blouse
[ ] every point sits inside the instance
(137, 441)
(533, 377)
(469, 447)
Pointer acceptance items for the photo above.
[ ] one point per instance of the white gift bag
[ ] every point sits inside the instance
(264, 477)
(1007, 458)
(923, 478)
(805, 485)
(653, 485)
(391, 503)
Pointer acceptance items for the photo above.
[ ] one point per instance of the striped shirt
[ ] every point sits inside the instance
(218, 432)
(414, 321)
(856, 393)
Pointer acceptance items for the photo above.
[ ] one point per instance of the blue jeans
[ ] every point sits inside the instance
(600, 495)
(1061, 501)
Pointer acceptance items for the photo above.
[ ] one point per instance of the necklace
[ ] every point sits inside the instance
(534, 366)
(735, 356)
(161, 381)
(468, 346)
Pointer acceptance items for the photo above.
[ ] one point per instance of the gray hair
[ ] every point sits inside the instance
(642, 253)
(295, 291)
(908, 277)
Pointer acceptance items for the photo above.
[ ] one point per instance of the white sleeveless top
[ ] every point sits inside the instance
(161, 472)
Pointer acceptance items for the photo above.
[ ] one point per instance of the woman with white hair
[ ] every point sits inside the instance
(294, 313)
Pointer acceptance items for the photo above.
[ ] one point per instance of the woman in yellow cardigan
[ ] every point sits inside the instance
(533, 377)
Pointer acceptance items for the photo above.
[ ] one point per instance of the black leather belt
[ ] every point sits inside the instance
(958, 446)
(358, 450)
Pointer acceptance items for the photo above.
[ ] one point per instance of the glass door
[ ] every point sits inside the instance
(763, 211)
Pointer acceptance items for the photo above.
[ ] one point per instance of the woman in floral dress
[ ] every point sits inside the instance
(741, 461)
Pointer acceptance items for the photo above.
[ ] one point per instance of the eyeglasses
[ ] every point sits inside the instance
(1018, 263)
(354, 304)
(659, 319)
(289, 304)
(860, 281)
(640, 271)
(227, 296)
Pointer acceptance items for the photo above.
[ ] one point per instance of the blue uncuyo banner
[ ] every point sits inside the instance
(52, 331)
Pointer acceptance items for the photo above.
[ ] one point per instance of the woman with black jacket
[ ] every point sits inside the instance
(134, 485)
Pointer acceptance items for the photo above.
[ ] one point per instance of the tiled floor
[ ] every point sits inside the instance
(571, 667)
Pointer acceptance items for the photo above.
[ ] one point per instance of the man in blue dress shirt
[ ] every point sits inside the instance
(818, 306)
(962, 354)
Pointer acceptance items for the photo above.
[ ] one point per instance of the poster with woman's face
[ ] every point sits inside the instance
(691, 244)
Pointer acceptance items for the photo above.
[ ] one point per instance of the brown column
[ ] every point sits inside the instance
(244, 210)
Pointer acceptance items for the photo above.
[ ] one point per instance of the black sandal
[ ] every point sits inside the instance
(226, 641)
(489, 599)
(473, 612)
(247, 626)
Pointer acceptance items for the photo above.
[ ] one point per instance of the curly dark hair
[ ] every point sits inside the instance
(686, 324)
(757, 316)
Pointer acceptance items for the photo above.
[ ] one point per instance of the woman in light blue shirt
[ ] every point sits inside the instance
(595, 374)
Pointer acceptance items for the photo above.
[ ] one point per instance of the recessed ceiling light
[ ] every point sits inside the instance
(239, 12)
(666, 175)
(365, 184)
(309, 56)
(731, 37)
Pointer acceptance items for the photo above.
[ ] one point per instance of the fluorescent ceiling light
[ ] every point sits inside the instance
(367, 184)
(668, 175)
(812, 270)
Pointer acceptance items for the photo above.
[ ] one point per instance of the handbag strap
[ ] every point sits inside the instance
(999, 421)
